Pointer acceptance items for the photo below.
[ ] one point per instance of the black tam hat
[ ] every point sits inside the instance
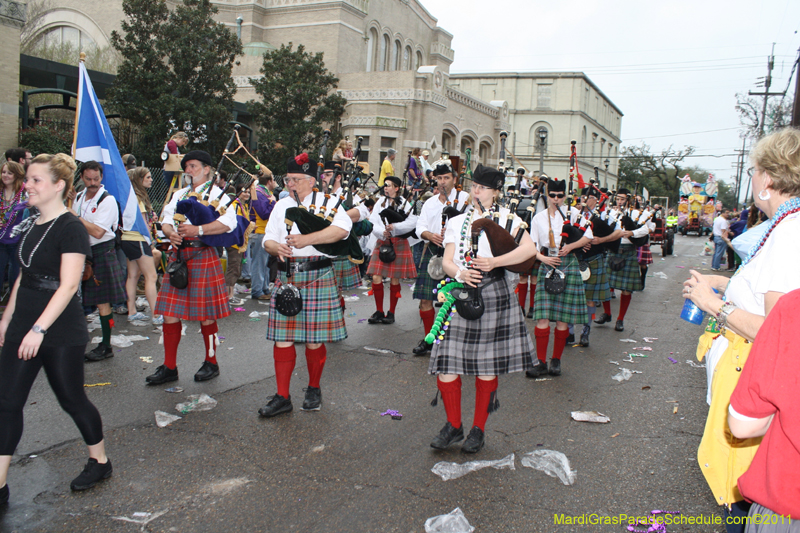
(488, 177)
(197, 155)
(331, 165)
(300, 165)
(443, 166)
(392, 179)
(556, 186)
(591, 191)
(623, 190)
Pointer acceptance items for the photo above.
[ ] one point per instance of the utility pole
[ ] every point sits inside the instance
(766, 94)
(740, 159)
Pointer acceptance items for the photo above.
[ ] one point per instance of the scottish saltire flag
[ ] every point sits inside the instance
(93, 141)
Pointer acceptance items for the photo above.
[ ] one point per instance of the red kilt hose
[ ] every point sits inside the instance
(205, 298)
(401, 268)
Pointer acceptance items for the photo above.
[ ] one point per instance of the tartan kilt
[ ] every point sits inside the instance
(423, 288)
(570, 305)
(401, 268)
(644, 256)
(597, 289)
(497, 343)
(629, 279)
(321, 319)
(205, 298)
(108, 273)
(347, 274)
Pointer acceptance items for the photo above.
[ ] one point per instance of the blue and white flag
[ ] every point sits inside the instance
(94, 142)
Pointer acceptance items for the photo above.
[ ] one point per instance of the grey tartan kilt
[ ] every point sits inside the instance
(570, 305)
(597, 289)
(423, 288)
(629, 279)
(497, 343)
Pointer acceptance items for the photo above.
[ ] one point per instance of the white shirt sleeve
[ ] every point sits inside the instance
(377, 224)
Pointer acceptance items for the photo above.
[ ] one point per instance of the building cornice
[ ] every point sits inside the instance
(542, 114)
(13, 13)
(472, 102)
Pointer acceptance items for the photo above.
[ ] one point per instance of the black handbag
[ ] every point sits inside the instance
(386, 252)
(555, 282)
(288, 300)
(469, 302)
(616, 263)
(178, 272)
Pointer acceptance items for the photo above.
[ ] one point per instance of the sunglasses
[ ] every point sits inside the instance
(556, 195)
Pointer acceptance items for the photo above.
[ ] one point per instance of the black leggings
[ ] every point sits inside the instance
(64, 369)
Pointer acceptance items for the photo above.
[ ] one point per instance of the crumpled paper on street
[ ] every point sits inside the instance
(121, 341)
(164, 419)
(624, 375)
(448, 471)
(452, 522)
(660, 275)
(590, 416)
(552, 463)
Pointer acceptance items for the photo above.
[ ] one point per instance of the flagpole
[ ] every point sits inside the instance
(77, 111)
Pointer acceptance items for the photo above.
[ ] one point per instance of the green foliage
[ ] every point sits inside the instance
(658, 173)
(176, 74)
(43, 139)
(104, 59)
(298, 98)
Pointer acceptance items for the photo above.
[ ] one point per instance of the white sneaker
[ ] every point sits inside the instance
(158, 320)
(241, 289)
(235, 301)
(137, 316)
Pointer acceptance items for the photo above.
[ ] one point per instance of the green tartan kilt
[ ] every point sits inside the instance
(570, 305)
(597, 288)
(629, 279)
(347, 274)
(423, 288)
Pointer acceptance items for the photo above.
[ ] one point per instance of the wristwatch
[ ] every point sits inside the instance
(200, 230)
(38, 329)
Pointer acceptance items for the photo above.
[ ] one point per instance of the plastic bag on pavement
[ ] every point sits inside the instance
(448, 471)
(625, 375)
(552, 463)
(452, 522)
(121, 341)
(164, 419)
(590, 416)
(197, 402)
(660, 275)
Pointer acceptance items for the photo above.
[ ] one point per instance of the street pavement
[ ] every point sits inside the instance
(348, 469)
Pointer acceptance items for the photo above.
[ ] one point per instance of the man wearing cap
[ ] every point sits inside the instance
(301, 265)
(387, 167)
(204, 299)
(426, 166)
(393, 222)
(431, 224)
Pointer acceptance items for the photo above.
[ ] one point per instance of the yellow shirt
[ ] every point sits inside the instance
(387, 169)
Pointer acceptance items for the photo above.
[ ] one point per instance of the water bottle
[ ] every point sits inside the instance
(693, 314)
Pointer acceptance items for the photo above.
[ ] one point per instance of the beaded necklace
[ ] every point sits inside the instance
(199, 193)
(7, 210)
(24, 237)
(464, 244)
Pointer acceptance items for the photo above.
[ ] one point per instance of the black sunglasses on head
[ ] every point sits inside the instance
(556, 195)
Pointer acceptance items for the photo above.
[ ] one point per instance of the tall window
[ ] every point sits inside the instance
(396, 56)
(372, 41)
(586, 100)
(543, 96)
(583, 142)
(384, 57)
(407, 58)
(419, 62)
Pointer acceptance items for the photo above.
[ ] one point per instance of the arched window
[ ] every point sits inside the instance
(372, 41)
(67, 36)
(384, 57)
(466, 142)
(483, 153)
(396, 56)
(447, 141)
(407, 58)
(419, 62)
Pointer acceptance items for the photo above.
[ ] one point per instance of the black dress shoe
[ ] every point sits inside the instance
(162, 375)
(388, 319)
(376, 318)
(447, 436)
(277, 405)
(530, 312)
(603, 319)
(571, 339)
(620, 326)
(313, 399)
(474, 442)
(100, 352)
(539, 369)
(207, 371)
(555, 367)
(4, 494)
(422, 348)
(585, 340)
(93, 473)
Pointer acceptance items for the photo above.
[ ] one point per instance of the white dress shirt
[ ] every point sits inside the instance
(105, 214)
(430, 218)
(540, 227)
(400, 228)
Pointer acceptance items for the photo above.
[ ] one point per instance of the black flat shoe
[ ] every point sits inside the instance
(603, 319)
(277, 406)
(530, 313)
(539, 369)
(447, 436)
(422, 348)
(100, 352)
(388, 319)
(93, 473)
(475, 441)
(207, 371)
(585, 340)
(620, 326)
(313, 399)
(162, 375)
(376, 318)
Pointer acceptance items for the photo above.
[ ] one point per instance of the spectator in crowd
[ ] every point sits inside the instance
(19, 155)
(720, 233)
(261, 207)
(387, 167)
(242, 206)
(424, 164)
(13, 206)
(344, 151)
(129, 160)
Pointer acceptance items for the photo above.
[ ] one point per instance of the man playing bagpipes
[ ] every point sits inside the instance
(204, 299)
(560, 294)
(431, 224)
(304, 307)
(392, 223)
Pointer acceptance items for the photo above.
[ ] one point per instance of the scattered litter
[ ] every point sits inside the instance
(254, 314)
(543, 379)
(174, 389)
(265, 313)
(675, 410)
(448, 471)
(318, 449)
(615, 435)
(352, 298)
(255, 320)
(141, 301)
(394, 414)
(452, 522)
(552, 463)
(94, 324)
(614, 363)
(197, 402)
(140, 323)
(360, 320)
(695, 365)
(183, 330)
(379, 350)
(590, 416)
(627, 340)
(625, 375)
(352, 314)
(646, 387)
(220, 337)
(637, 354)
(636, 371)
(240, 309)
(674, 361)
(97, 384)
(230, 347)
(141, 518)
(263, 302)
(121, 341)
(34, 456)
(660, 275)
(164, 419)
(146, 359)
(650, 339)
(644, 348)
(679, 266)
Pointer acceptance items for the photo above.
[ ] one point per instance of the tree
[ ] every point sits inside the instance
(656, 172)
(297, 99)
(779, 114)
(176, 74)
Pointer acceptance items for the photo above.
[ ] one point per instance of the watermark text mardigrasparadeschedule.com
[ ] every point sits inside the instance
(591, 519)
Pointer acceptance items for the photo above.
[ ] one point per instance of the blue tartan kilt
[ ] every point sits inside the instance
(423, 288)
(597, 288)
(629, 279)
(347, 274)
(570, 305)
(321, 319)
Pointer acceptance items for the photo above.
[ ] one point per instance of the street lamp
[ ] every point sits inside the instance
(605, 179)
(542, 133)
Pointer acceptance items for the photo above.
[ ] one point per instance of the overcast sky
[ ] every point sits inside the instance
(673, 68)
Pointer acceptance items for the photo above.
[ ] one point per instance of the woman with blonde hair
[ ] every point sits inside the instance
(47, 329)
(177, 140)
(13, 203)
(344, 151)
(739, 310)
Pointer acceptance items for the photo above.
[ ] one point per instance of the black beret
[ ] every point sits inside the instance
(301, 165)
(488, 177)
(392, 179)
(197, 155)
(556, 186)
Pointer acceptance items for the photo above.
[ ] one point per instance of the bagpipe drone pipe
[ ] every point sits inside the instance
(629, 224)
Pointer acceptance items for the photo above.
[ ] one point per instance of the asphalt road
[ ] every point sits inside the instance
(348, 469)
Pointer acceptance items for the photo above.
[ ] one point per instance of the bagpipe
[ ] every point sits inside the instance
(600, 228)
(435, 265)
(629, 224)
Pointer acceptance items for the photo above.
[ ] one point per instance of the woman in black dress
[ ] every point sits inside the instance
(49, 330)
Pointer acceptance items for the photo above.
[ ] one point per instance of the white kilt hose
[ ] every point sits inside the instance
(497, 343)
